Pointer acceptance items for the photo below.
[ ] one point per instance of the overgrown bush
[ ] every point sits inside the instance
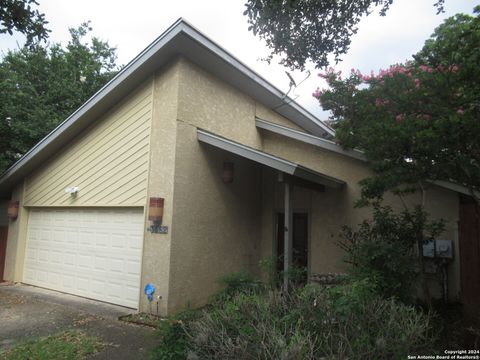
(383, 250)
(310, 323)
(235, 283)
(174, 344)
(296, 275)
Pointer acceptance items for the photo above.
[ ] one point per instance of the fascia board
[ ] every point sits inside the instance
(269, 160)
(247, 152)
(309, 139)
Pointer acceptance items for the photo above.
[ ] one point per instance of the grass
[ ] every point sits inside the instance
(70, 344)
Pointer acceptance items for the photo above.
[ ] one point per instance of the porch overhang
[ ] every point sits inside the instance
(269, 160)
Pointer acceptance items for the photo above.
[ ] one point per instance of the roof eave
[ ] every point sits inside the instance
(309, 139)
(176, 40)
(269, 160)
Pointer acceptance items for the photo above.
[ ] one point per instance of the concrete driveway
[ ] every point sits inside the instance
(28, 312)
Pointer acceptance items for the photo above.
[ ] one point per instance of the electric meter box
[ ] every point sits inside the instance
(442, 249)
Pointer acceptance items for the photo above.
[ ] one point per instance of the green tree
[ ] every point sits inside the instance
(301, 30)
(41, 86)
(418, 121)
(20, 16)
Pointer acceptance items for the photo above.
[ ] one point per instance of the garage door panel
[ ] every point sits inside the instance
(86, 252)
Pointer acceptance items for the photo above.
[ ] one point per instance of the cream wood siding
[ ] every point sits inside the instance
(108, 162)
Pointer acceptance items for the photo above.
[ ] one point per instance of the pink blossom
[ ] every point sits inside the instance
(426, 68)
(426, 117)
(317, 93)
(366, 78)
(417, 83)
(460, 111)
(399, 118)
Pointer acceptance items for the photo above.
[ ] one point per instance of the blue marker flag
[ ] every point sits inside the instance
(149, 290)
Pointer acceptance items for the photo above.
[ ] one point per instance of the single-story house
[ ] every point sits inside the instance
(183, 168)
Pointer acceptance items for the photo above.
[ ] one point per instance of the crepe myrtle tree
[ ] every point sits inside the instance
(403, 131)
(302, 30)
(417, 122)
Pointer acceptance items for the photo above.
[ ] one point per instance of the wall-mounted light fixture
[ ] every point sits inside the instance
(155, 215)
(155, 209)
(13, 206)
(227, 175)
(72, 190)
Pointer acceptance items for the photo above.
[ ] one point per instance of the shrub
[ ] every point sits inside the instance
(382, 250)
(350, 321)
(235, 283)
(174, 344)
(296, 275)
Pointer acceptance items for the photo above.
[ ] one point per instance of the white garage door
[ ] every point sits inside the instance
(94, 253)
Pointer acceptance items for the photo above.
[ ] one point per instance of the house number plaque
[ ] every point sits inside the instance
(158, 229)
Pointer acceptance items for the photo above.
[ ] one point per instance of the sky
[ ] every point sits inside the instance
(130, 26)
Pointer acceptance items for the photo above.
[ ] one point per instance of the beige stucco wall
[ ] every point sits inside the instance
(329, 210)
(332, 209)
(444, 204)
(157, 247)
(212, 105)
(207, 103)
(216, 226)
(108, 162)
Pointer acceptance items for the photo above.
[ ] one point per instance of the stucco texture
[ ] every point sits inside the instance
(209, 104)
(156, 247)
(216, 225)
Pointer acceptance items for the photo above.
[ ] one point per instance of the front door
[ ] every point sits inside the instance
(299, 241)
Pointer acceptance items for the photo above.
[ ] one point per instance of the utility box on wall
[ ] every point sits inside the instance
(442, 249)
